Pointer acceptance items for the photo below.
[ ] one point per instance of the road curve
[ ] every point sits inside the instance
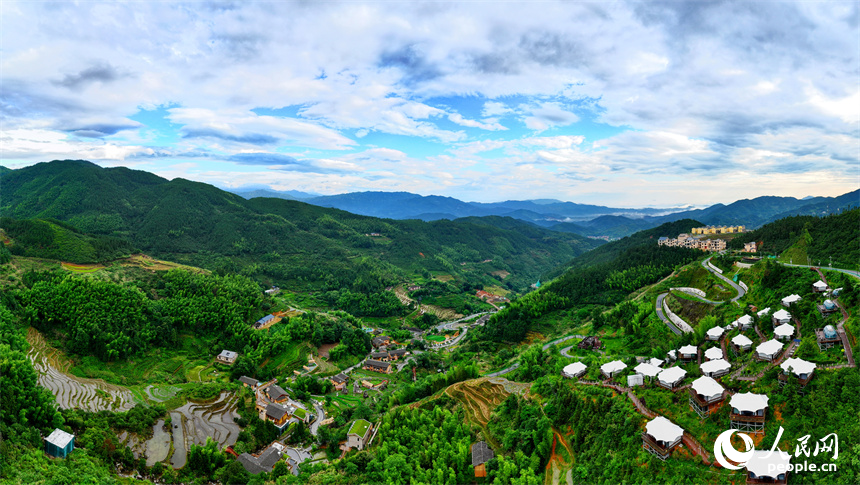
(659, 309)
(849, 272)
(741, 291)
(513, 367)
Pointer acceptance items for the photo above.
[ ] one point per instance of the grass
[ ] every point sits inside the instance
(435, 338)
(359, 427)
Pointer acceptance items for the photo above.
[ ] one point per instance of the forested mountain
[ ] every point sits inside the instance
(279, 240)
(53, 239)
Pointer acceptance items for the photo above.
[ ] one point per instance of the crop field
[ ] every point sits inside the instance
(479, 397)
(435, 338)
(197, 420)
(81, 268)
(292, 359)
(74, 392)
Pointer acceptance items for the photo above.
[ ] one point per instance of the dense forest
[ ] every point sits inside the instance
(281, 241)
(52, 239)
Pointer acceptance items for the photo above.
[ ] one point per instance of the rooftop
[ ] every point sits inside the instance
(741, 340)
(574, 368)
(714, 353)
(646, 369)
(770, 347)
(748, 402)
(707, 386)
(481, 453)
(664, 430)
(614, 366)
(716, 365)
(359, 427)
(765, 463)
(672, 374)
(784, 330)
(248, 380)
(59, 438)
(228, 354)
(798, 366)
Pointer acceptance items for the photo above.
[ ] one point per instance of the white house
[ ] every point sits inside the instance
(610, 369)
(745, 322)
(790, 299)
(715, 368)
(742, 342)
(819, 286)
(769, 350)
(715, 333)
(748, 411)
(227, 357)
(688, 352)
(575, 369)
(358, 434)
(784, 331)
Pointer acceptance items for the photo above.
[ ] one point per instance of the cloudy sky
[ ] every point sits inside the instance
(621, 104)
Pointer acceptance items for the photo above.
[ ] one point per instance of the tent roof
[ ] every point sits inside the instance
(770, 347)
(714, 353)
(574, 368)
(784, 330)
(748, 401)
(764, 312)
(716, 331)
(716, 365)
(798, 366)
(746, 319)
(707, 386)
(741, 340)
(763, 465)
(663, 430)
(672, 374)
(646, 369)
(782, 314)
(614, 366)
(689, 349)
(60, 438)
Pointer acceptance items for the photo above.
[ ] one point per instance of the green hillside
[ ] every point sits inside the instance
(53, 239)
(280, 241)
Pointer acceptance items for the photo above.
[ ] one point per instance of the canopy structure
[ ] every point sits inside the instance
(748, 402)
(763, 463)
(784, 331)
(661, 429)
(646, 369)
(820, 285)
(769, 348)
(611, 368)
(708, 387)
(672, 354)
(688, 350)
(782, 315)
(671, 375)
(575, 369)
(714, 353)
(746, 320)
(656, 362)
(798, 366)
(715, 367)
(741, 341)
(788, 300)
(715, 333)
(764, 312)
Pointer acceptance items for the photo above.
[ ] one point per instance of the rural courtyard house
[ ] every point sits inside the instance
(377, 366)
(481, 454)
(359, 434)
(249, 382)
(227, 357)
(276, 393)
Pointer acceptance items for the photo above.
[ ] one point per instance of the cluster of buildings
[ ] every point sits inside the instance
(489, 297)
(687, 241)
(717, 230)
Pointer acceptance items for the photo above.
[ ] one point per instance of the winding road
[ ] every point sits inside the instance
(741, 291)
(662, 315)
(545, 346)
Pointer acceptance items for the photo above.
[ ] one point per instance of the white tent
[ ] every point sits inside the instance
(708, 387)
(688, 350)
(647, 369)
(745, 322)
(716, 367)
(820, 286)
(611, 368)
(661, 429)
(635, 380)
(784, 331)
(672, 354)
(764, 312)
(742, 341)
(715, 333)
(788, 300)
(714, 353)
(656, 362)
(800, 367)
(575, 369)
(769, 349)
(671, 376)
(763, 463)
(782, 316)
(748, 402)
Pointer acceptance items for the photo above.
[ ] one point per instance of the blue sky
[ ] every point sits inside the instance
(620, 104)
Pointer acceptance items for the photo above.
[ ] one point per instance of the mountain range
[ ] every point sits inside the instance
(583, 219)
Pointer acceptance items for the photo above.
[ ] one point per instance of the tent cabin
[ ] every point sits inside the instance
(671, 378)
(764, 467)
(800, 368)
(748, 411)
(688, 353)
(819, 286)
(781, 316)
(715, 333)
(634, 380)
(828, 307)
(481, 454)
(610, 369)
(59, 443)
(762, 313)
(784, 331)
(706, 395)
(742, 342)
(715, 368)
(227, 357)
(647, 370)
(827, 337)
(769, 350)
(791, 299)
(714, 353)
(656, 362)
(575, 369)
(745, 322)
(661, 436)
(672, 355)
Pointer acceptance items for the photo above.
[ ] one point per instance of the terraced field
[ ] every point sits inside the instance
(211, 419)
(479, 397)
(74, 392)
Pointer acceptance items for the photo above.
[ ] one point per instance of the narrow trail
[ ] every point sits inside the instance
(760, 333)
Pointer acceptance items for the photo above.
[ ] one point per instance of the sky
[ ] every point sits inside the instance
(625, 104)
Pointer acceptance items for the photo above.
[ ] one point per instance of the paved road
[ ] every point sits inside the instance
(849, 272)
(741, 291)
(320, 412)
(450, 325)
(507, 370)
(662, 315)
